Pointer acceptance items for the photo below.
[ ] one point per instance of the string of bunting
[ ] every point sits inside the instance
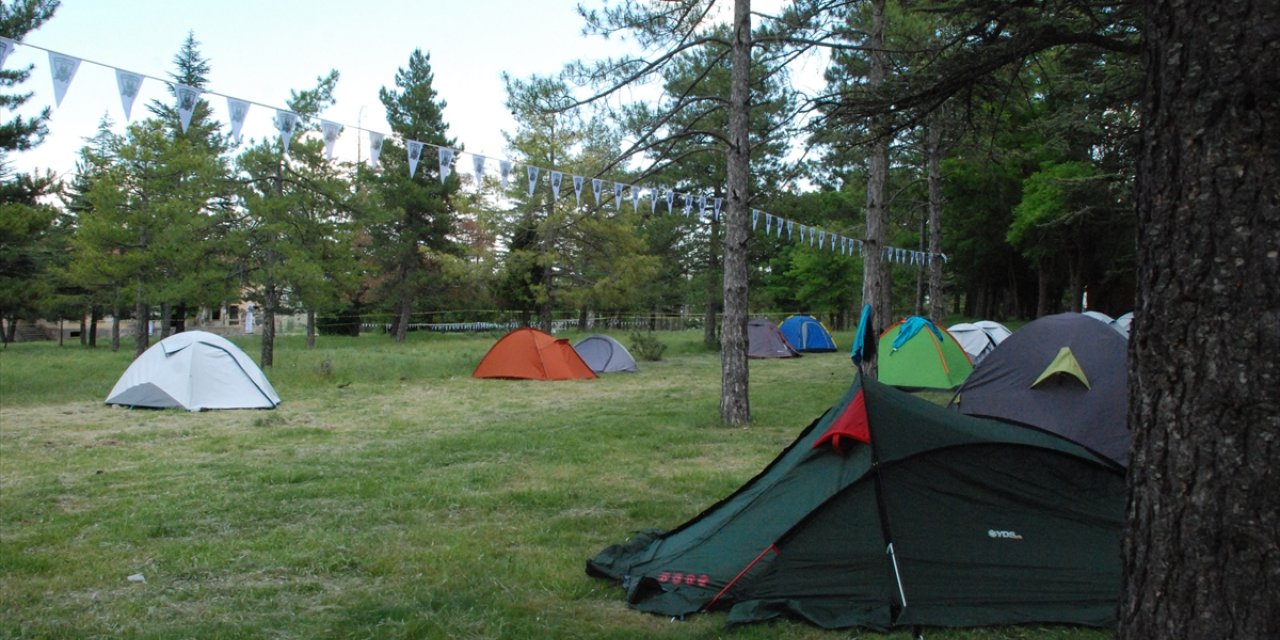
(63, 70)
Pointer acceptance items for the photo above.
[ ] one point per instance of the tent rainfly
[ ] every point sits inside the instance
(765, 340)
(531, 354)
(605, 355)
(917, 354)
(1066, 374)
(979, 338)
(195, 370)
(890, 511)
(806, 333)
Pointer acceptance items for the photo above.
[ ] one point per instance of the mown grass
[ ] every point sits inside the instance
(390, 496)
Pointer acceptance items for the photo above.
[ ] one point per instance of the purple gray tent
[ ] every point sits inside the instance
(1066, 374)
(605, 355)
(765, 340)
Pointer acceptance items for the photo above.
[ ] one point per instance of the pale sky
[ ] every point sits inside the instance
(260, 50)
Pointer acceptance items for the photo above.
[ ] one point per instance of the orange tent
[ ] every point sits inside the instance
(533, 355)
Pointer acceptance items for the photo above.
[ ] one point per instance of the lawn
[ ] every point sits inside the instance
(390, 496)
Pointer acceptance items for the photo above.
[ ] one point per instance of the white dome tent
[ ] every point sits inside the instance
(194, 370)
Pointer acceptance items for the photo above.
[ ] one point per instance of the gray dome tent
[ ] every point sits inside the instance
(194, 370)
(1066, 374)
(605, 355)
(765, 340)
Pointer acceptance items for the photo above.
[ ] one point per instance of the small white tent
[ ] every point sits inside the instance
(605, 355)
(194, 370)
(979, 338)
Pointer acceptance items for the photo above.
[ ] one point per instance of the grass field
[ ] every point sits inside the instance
(389, 496)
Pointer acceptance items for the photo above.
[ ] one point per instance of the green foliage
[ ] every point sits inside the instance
(647, 345)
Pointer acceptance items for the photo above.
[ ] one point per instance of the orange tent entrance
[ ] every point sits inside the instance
(532, 355)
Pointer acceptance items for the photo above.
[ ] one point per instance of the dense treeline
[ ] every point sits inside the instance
(167, 220)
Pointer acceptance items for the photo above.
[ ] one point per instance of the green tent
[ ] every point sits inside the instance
(917, 354)
(891, 511)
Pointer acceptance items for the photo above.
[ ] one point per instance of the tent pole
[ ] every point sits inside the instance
(897, 575)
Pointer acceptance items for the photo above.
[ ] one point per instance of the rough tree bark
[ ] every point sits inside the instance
(874, 280)
(933, 149)
(735, 409)
(1201, 551)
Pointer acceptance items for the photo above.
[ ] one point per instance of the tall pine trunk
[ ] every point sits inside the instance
(874, 270)
(735, 408)
(1201, 551)
(933, 261)
(710, 338)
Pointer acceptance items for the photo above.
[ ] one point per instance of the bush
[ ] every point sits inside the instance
(647, 346)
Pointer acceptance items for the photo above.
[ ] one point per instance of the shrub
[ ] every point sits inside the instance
(647, 346)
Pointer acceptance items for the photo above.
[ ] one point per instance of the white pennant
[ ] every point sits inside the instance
(446, 162)
(6, 48)
(635, 198)
(781, 224)
(755, 219)
(617, 195)
(556, 178)
(286, 123)
(533, 179)
(653, 200)
(671, 198)
(330, 131)
(239, 110)
(822, 239)
(595, 188)
(129, 84)
(477, 167)
(63, 68)
(375, 148)
(414, 149)
(768, 223)
(504, 167)
(791, 225)
(702, 206)
(716, 212)
(577, 189)
(188, 98)
(688, 204)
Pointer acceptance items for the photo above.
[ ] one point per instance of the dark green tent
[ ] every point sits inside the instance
(891, 511)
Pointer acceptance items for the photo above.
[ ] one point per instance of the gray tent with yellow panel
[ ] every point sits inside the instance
(890, 511)
(1066, 374)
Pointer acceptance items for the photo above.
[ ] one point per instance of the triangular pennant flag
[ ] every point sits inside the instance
(812, 236)
(504, 167)
(617, 195)
(635, 198)
(791, 225)
(716, 211)
(330, 131)
(653, 200)
(755, 219)
(671, 199)
(533, 178)
(781, 224)
(375, 148)
(556, 179)
(595, 188)
(768, 223)
(577, 188)
(477, 167)
(63, 68)
(286, 123)
(802, 234)
(688, 204)
(822, 239)
(414, 149)
(129, 84)
(702, 205)
(445, 155)
(6, 48)
(188, 98)
(239, 110)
